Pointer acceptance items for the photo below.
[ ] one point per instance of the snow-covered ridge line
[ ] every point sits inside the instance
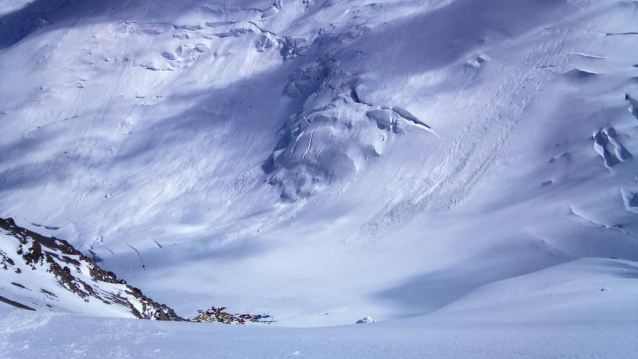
(46, 272)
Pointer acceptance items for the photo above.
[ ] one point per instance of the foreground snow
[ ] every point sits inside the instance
(48, 336)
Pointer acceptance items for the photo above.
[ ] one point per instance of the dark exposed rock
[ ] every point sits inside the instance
(14, 303)
(48, 293)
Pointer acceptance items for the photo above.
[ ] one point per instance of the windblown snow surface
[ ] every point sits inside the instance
(462, 171)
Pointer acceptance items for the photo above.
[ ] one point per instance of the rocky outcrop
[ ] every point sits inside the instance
(38, 260)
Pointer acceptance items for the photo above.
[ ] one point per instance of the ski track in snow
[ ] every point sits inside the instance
(446, 187)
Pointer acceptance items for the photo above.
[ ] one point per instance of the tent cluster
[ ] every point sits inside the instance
(219, 315)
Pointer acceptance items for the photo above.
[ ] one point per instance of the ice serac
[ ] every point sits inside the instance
(48, 273)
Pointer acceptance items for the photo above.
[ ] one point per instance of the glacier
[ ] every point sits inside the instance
(442, 166)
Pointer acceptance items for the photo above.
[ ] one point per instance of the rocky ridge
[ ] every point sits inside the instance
(75, 282)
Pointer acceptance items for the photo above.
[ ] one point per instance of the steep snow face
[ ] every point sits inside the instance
(299, 158)
(186, 114)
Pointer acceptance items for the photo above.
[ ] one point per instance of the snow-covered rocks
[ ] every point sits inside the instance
(365, 320)
(42, 273)
(608, 146)
(632, 105)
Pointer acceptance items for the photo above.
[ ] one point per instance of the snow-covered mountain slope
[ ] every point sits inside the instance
(41, 273)
(324, 160)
